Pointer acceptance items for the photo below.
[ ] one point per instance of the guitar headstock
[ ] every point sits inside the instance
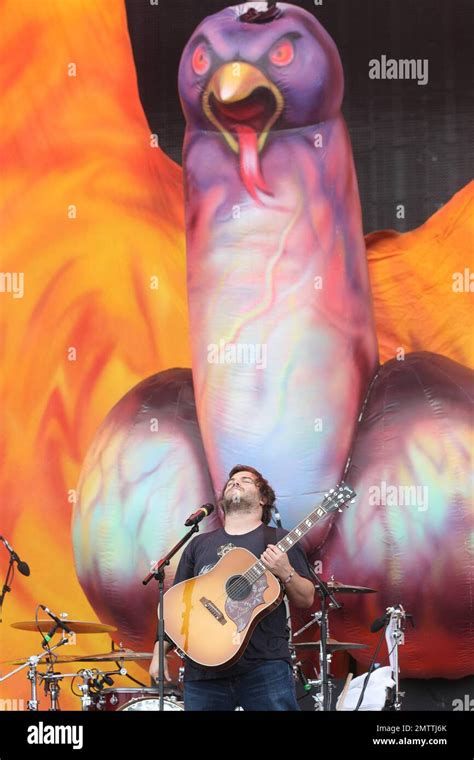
(338, 497)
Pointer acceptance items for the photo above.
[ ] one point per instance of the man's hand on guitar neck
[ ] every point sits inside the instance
(277, 562)
(154, 669)
(300, 591)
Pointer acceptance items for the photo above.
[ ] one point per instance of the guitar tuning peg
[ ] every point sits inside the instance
(352, 501)
(339, 510)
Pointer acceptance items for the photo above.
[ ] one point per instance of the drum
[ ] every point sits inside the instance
(125, 699)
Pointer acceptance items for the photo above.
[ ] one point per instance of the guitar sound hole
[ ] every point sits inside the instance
(238, 588)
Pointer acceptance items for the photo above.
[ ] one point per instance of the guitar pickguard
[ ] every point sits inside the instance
(240, 612)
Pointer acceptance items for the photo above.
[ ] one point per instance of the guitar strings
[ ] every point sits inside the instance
(243, 581)
(241, 584)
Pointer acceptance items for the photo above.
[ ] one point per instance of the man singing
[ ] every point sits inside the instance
(262, 678)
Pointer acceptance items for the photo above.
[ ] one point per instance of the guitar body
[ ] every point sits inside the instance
(211, 617)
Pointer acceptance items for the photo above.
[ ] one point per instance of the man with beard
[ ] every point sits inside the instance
(262, 678)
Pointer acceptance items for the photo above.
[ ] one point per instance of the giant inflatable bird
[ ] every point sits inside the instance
(285, 371)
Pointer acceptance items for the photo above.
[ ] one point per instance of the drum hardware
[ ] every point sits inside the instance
(326, 645)
(322, 699)
(92, 686)
(85, 688)
(32, 675)
(94, 697)
(297, 668)
(33, 702)
(51, 688)
(94, 681)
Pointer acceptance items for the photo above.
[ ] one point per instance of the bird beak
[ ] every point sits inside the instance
(240, 100)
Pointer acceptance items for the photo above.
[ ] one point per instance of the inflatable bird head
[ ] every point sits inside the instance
(247, 79)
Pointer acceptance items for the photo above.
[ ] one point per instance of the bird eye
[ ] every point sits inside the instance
(282, 53)
(201, 59)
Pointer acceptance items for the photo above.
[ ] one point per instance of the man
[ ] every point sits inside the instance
(262, 678)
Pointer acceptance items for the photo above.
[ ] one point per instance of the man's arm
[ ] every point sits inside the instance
(300, 591)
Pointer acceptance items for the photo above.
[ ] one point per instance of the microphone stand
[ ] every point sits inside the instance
(158, 572)
(6, 587)
(324, 593)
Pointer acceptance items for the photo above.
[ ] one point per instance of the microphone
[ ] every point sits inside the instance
(100, 680)
(49, 636)
(302, 677)
(22, 566)
(200, 514)
(385, 619)
(379, 623)
(58, 623)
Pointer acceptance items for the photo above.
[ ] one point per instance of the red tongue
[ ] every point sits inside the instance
(249, 161)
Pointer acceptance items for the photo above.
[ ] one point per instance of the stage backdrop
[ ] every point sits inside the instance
(95, 305)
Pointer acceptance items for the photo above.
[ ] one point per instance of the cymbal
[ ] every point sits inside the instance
(77, 626)
(342, 588)
(332, 645)
(113, 656)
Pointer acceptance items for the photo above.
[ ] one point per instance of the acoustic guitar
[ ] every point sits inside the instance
(211, 617)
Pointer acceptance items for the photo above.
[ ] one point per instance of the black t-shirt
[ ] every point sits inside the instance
(269, 640)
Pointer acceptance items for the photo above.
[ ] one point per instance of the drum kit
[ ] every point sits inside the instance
(326, 646)
(95, 689)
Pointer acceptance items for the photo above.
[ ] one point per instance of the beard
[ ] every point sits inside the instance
(236, 502)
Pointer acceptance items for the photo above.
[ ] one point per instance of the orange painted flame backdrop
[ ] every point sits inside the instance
(92, 214)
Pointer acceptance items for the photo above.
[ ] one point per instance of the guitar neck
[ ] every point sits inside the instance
(291, 538)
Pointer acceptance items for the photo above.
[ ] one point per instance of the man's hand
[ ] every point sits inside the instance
(154, 669)
(276, 561)
(300, 591)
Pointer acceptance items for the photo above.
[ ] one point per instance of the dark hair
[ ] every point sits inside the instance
(266, 491)
(252, 16)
